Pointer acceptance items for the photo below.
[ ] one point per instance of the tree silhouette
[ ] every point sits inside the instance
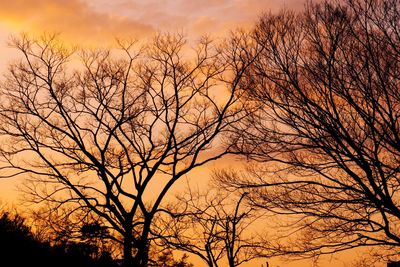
(324, 107)
(112, 135)
(215, 226)
(165, 258)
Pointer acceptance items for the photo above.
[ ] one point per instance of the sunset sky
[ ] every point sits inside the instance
(98, 22)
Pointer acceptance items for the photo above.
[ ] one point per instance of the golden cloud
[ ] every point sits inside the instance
(75, 19)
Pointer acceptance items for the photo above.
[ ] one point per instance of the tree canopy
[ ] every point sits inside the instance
(323, 102)
(109, 132)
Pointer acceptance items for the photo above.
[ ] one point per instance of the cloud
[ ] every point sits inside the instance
(197, 16)
(75, 19)
(99, 21)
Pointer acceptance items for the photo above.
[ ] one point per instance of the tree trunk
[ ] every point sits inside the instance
(128, 246)
(142, 255)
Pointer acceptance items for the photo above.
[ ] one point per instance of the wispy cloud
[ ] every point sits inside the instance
(195, 16)
(98, 21)
(75, 19)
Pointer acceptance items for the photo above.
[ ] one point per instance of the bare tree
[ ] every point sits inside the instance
(110, 132)
(324, 104)
(215, 226)
(165, 258)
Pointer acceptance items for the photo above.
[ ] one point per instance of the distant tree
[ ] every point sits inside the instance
(78, 230)
(165, 258)
(95, 235)
(111, 132)
(215, 226)
(324, 106)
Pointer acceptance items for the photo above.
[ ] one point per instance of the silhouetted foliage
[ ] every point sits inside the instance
(63, 227)
(19, 247)
(324, 105)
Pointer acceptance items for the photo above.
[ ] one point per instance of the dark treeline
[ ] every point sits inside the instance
(21, 246)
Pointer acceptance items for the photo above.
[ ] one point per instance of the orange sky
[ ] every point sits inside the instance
(97, 22)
